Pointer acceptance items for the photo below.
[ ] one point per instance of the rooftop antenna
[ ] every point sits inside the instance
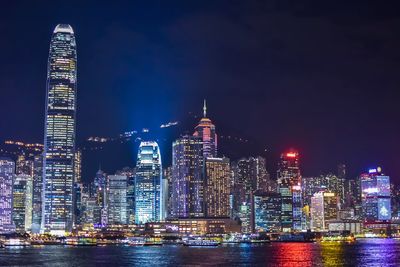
(205, 109)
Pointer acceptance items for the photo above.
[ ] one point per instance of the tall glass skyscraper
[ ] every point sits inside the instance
(187, 178)
(22, 202)
(117, 187)
(59, 138)
(37, 193)
(375, 197)
(289, 185)
(148, 179)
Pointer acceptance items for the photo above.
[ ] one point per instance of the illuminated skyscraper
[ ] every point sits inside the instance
(130, 193)
(59, 139)
(37, 193)
(167, 175)
(117, 187)
(249, 174)
(267, 212)
(324, 208)
(217, 187)
(77, 185)
(24, 166)
(326, 182)
(206, 131)
(289, 186)
(187, 178)
(22, 202)
(148, 180)
(7, 169)
(375, 197)
(78, 166)
(341, 182)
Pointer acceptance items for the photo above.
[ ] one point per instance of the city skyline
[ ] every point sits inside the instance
(264, 130)
(278, 97)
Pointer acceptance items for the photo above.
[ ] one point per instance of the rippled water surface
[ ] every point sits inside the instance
(367, 252)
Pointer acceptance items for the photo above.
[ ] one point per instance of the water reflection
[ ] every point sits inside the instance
(368, 252)
(333, 253)
(379, 252)
(292, 254)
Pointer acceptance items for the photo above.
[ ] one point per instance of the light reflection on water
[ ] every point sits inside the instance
(369, 252)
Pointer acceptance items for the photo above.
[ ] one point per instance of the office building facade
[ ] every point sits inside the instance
(148, 180)
(60, 125)
(7, 172)
(187, 196)
(217, 187)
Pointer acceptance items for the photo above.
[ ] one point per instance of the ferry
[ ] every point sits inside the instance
(153, 243)
(136, 241)
(245, 239)
(41, 242)
(81, 241)
(200, 243)
(16, 242)
(294, 238)
(343, 236)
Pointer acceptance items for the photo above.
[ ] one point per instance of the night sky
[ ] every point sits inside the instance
(319, 76)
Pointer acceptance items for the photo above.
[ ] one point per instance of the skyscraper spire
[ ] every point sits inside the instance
(205, 109)
(206, 130)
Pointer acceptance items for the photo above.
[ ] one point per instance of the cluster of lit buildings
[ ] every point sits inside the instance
(43, 191)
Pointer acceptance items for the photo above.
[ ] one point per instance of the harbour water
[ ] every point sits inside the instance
(364, 252)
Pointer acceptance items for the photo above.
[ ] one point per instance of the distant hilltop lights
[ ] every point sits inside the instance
(169, 124)
(19, 143)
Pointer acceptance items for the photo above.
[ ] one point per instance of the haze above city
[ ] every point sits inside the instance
(320, 78)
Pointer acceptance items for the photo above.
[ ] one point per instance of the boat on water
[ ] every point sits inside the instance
(136, 241)
(16, 242)
(40, 242)
(245, 239)
(81, 241)
(344, 236)
(294, 238)
(200, 243)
